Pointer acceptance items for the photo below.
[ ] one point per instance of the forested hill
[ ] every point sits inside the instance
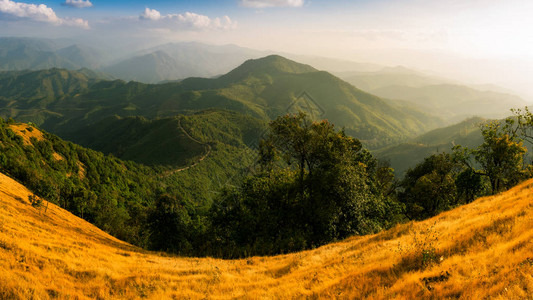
(117, 195)
(65, 101)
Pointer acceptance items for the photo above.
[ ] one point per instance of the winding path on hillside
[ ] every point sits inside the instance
(172, 172)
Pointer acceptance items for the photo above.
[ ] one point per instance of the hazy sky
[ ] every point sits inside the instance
(477, 40)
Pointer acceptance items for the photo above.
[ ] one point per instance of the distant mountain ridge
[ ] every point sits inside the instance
(455, 101)
(450, 100)
(174, 61)
(36, 54)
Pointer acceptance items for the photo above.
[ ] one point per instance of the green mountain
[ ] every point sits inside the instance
(274, 85)
(262, 88)
(410, 153)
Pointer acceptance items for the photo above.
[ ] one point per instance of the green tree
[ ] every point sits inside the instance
(469, 184)
(524, 123)
(500, 157)
(169, 224)
(429, 188)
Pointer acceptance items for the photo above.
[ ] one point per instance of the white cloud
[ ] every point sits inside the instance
(40, 13)
(77, 22)
(272, 3)
(150, 14)
(188, 20)
(78, 3)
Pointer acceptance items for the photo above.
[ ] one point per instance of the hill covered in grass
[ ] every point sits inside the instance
(480, 250)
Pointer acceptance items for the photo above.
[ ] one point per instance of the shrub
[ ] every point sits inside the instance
(35, 201)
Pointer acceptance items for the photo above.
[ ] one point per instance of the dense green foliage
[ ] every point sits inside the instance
(157, 142)
(108, 192)
(119, 196)
(314, 185)
(429, 188)
(500, 157)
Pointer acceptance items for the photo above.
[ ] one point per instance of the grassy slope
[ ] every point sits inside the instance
(485, 246)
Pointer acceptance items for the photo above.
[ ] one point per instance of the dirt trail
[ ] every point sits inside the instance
(169, 173)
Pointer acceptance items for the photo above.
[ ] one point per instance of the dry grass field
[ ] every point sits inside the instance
(477, 251)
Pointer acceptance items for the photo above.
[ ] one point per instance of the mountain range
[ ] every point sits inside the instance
(63, 101)
(35, 54)
(450, 100)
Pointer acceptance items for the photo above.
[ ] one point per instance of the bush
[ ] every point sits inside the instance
(35, 201)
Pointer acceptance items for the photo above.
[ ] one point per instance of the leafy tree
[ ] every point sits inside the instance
(429, 188)
(469, 184)
(500, 156)
(169, 224)
(524, 122)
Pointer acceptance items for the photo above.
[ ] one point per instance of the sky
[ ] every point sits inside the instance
(478, 41)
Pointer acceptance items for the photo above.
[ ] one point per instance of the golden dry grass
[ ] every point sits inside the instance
(26, 133)
(486, 248)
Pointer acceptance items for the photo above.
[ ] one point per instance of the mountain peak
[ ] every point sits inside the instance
(279, 63)
(268, 65)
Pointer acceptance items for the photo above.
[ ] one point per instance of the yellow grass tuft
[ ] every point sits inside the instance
(480, 250)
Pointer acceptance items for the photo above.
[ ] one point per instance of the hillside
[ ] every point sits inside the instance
(173, 141)
(158, 142)
(117, 195)
(386, 77)
(484, 250)
(413, 151)
(406, 155)
(263, 88)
